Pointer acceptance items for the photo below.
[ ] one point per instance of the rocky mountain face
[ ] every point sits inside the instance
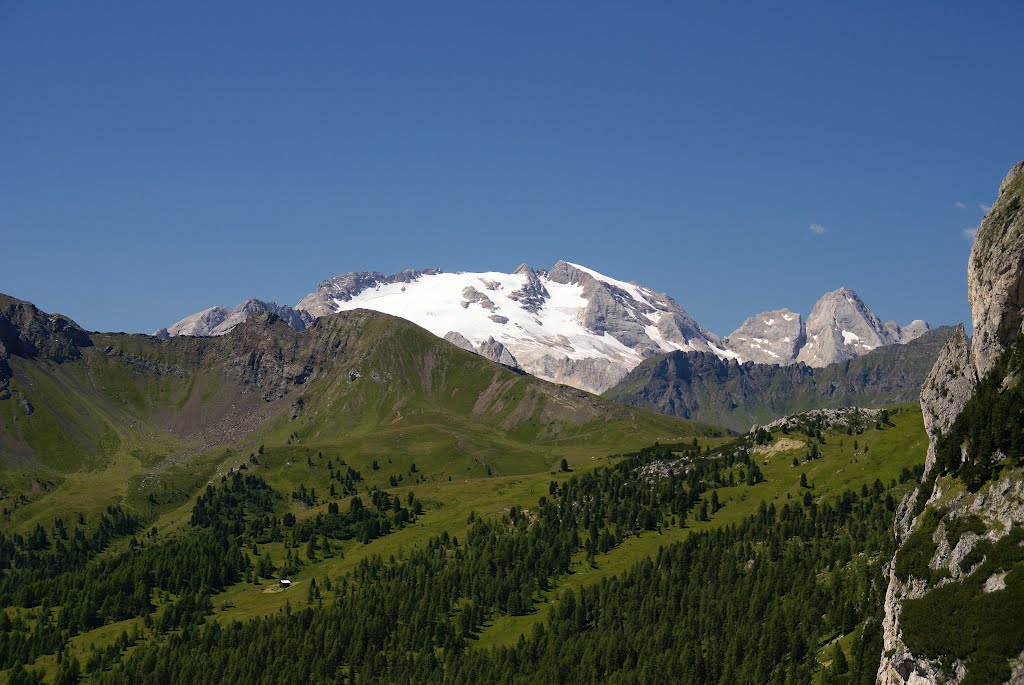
(702, 387)
(774, 337)
(995, 281)
(839, 327)
(221, 320)
(27, 332)
(947, 532)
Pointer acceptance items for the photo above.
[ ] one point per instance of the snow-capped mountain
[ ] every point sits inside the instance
(569, 325)
(572, 324)
(840, 327)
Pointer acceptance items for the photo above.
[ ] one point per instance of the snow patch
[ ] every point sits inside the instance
(850, 338)
(724, 354)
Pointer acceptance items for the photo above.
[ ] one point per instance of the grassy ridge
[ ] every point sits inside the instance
(145, 422)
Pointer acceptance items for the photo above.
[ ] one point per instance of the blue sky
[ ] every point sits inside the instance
(158, 158)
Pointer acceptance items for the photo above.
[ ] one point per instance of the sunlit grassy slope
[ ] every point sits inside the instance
(146, 423)
(880, 454)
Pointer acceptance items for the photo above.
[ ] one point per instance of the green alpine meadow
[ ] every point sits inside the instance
(511, 343)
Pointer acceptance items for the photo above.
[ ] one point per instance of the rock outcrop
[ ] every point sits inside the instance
(496, 352)
(489, 349)
(459, 340)
(28, 332)
(533, 294)
(994, 274)
(995, 284)
(949, 385)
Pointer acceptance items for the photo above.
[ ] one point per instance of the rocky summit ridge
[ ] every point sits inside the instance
(571, 324)
(221, 320)
(839, 327)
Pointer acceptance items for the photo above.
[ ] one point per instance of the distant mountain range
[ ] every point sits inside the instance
(571, 324)
(702, 387)
(839, 327)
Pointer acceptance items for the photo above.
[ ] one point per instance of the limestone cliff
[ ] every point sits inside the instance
(957, 549)
(995, 279)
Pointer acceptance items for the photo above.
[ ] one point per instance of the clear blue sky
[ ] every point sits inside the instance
(158, 158)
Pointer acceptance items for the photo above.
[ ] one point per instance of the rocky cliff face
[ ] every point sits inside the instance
(995, 280)
(948, 387)
(27, 332)
(617, 310)
(996, 293)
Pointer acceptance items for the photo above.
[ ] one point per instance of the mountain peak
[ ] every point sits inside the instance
(572, 324)
(773, 337)
(841, 327)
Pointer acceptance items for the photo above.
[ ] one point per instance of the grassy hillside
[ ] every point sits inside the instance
(145, 423)
(450, 507)
(179, 480)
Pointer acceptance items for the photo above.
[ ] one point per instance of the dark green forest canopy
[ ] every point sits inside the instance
(763, 600)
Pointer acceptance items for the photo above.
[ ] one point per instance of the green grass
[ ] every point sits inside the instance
(109, 429)
(840, 468)
(448, 506)
(483, 440)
